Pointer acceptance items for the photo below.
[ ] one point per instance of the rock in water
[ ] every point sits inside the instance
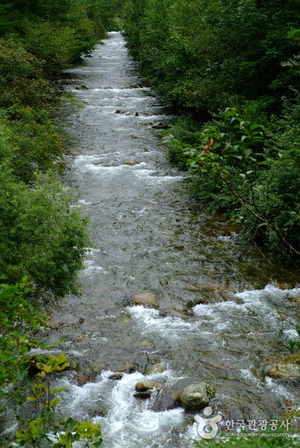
(143, 395)
(143, 386)
(141, 362)
(164, 402)
(285, 371)
(144, 298)
(196, 396)
(116, 376)
(156, 368)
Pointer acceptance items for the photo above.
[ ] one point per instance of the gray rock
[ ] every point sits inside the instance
(156, 368)
(141, 362)
(196, 396)
(164, 402)
(170, 312)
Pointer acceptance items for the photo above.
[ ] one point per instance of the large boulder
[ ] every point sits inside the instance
(196, 396)
(144, 298)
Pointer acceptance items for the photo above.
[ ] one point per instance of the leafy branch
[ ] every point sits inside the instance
(19, 322)
(237, 162)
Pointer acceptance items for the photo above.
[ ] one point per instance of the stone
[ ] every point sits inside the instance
(143, 386)
(170, 312)
(196, 396)
(144, 298)
(156, 368)
(284, 371)
(141, 361)
(116, 376)
(81, 379)
(160, 125)
(285, 285)
(164, 402)
(143, 395)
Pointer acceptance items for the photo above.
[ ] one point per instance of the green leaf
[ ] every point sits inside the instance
(54, 402)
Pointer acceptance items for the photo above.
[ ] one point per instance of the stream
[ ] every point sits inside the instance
(222, 312)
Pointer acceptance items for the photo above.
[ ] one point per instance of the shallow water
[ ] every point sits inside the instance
(220, 313)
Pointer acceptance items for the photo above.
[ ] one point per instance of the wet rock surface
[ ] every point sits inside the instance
(143, 386)
(156, 368)
(116, 376)
(145, 298)
(164, 402)
(196, 396)
(284, 371)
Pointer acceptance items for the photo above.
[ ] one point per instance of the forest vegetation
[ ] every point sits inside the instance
(231, 68)
(43, 237)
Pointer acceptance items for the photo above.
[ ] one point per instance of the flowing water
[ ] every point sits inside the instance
(222, 313)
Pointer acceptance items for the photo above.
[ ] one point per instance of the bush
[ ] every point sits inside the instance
(36, 144)
(257, 185)
(21, 80)
(211, 55)
(51, 43)
(42, 236)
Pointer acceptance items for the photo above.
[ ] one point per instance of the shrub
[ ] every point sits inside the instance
(236, 174)
(21, 80)
(41, 235)
(36, 144)
(51, 43)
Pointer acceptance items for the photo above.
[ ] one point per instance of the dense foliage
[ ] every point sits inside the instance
(43, 237)
(243, 55)
(208, 54)
(251, 181)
